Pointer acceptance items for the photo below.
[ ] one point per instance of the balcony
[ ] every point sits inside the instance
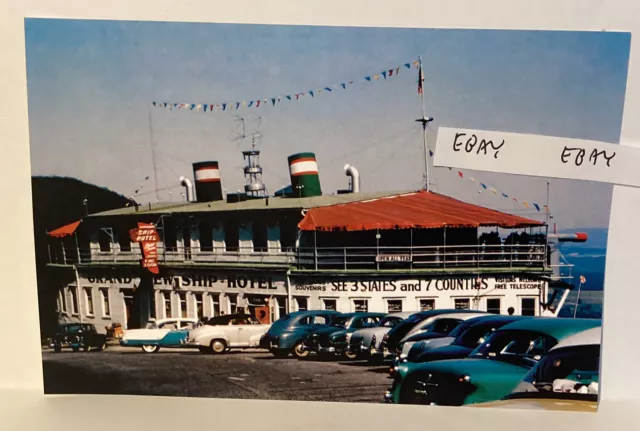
(476, 258)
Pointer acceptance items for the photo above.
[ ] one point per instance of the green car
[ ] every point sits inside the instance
(490, 372)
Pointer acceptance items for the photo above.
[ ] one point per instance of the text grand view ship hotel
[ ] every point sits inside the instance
(301, 249)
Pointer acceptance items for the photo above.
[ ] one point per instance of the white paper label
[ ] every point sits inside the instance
(537, 155)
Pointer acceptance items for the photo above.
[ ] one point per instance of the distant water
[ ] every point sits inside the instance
(589, 305)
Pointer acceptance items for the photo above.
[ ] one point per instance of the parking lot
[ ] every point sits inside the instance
(238, 374)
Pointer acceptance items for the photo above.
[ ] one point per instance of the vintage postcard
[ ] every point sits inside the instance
(252, 211)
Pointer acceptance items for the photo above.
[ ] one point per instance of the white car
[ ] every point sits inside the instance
(224, 333)
(170, 333)
(366, 342)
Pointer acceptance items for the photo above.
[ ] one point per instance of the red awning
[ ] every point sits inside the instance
(413, 210)
(63, 231)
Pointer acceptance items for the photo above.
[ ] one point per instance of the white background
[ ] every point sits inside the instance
(23, 407)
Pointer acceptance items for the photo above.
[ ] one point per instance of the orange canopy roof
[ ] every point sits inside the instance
(420, 209)
(66, 230)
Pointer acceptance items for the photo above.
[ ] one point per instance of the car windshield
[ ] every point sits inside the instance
(340, 321)
(73, 329)
(390, 321)
(523, 348)
(474, 335)
(572, 370)
(459, 329)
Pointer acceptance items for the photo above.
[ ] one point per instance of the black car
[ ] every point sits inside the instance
(78, 336)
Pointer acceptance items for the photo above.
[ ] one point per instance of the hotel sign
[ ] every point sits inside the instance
(393, 258)
(147, 236)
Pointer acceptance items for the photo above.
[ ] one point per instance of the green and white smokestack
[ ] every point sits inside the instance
(305, 181)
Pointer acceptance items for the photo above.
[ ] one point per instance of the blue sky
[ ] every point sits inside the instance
(90, 85)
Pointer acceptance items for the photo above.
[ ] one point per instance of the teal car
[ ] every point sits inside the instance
(168, 333)
(490, 372)
(287, 334)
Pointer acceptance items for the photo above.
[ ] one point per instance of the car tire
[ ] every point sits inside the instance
(57, 349)
(218, 346)
(75, 349)
(299, 351)
(350, 356)
(150, 348)
(101, 347)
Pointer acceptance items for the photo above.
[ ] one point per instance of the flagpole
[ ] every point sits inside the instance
(575, 308)
(425, 122)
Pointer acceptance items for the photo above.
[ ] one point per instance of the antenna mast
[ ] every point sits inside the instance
(153, 156)
(425, 122)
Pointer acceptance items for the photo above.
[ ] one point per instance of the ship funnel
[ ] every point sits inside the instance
(305, 181)
(188, 188)
(352, 172)
(208, 185)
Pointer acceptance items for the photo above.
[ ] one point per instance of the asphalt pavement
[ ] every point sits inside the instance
(248, 374)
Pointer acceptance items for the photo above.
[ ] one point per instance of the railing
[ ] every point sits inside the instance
(423, 257)
(533, 256)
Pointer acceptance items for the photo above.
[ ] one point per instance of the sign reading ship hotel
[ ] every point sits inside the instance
(301, 249)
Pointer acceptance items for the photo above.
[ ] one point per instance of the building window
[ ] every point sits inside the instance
(104, 240)
(152, 305)
(88, 300)
(199, 303)
(206, 236)
(215, 304)
(528, 306)
(427, 304)
(330, 304)
(231, 236)
(74, 300)
(394, 306)
(301, 303)
(493, 305)
(166, 297)
(462, 304)
(233, 304)
(259, 235)
(288, 236)
(361, 305)
(125, 241)
(182, 297)
(282, 307)
(106, 306)
(62, 303)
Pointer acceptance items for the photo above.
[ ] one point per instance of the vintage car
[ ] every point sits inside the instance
(391, 339)
(566, 379)
(333, 339)
(287, 334)
(461, 341)
(168, 333)
(432, 329)
(490, 372)
(223, 333)
(365, 343)
(78, 336)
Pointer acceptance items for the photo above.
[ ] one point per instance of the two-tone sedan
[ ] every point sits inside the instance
(566, 379)
(491, 371)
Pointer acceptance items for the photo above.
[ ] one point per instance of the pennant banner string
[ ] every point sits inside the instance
(274, 100)
(504, 195)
